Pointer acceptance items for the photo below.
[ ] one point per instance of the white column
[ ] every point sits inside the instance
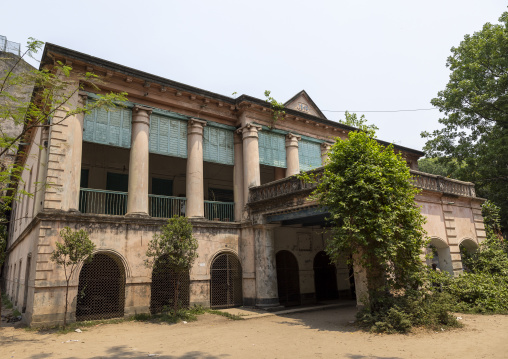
(137, 201)
(292, 159)
(251, 174)
(325, 148)
(238, 178)
(194, 180)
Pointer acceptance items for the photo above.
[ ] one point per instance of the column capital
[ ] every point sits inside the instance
(249, 130)
(325, 147)
(195, 126)
(82, 97)
(292, 140)
(141, 114)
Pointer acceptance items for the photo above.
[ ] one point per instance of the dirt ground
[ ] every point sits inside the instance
(320, 334)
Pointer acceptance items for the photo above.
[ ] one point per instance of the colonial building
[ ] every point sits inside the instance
(222, 162)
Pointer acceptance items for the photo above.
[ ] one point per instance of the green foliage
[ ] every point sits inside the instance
(278, 109)
(76, 248)
(175, 246)
(475, 108)
(351, 119)
(439, 166)
(415, 308)
(56, 92)
(367, 190)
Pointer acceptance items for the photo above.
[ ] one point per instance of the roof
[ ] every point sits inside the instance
(307, 97)
(128, 71)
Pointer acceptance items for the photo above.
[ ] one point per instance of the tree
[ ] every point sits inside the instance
(368, 192)
(475, 108)
(176, 248)
(351, 119)
(53, 90)
(76, 248)
(19, 108)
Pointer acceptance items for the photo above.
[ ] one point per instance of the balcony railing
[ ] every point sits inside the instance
(166, 207)
(100, 201)
(220, 211)
(422, 180)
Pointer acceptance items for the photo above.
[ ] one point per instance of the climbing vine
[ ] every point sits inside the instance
(278, 111)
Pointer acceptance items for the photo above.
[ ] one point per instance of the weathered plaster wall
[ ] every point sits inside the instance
(117, 236)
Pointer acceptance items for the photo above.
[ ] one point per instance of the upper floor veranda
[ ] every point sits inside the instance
(172, 149)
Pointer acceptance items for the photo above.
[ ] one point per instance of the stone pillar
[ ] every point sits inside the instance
(194, 181)
(75, 141)
(251, 174)
(266, 270)
(292, 159)
(238, 179)
(325, 148)
(40, 187)
(137, 201)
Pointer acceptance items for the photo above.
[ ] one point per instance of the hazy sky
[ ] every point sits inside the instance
(348, 55)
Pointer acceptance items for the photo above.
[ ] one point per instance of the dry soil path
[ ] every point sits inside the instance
(321, 334)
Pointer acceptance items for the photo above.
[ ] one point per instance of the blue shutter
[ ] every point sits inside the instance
(168, 136)
(272, 149)
(109, 127)
(218, 145)
(309, 154)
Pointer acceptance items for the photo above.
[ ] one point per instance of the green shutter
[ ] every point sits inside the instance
(272, 149)
(218, 145)
(168, 136)
(109, 127)
(309, 154)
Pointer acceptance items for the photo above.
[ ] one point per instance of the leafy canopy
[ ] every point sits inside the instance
(368, 192)
(175, 246)
(76, 247)
(473, 141)
(351, 119)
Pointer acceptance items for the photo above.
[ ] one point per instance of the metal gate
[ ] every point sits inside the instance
(101, 289)
(226, 282)
(325, 277)
(288, 278)
(167, 287)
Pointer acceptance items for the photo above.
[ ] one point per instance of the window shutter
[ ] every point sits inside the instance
(109, 127)
(218, 145)
(272, 149)
(168, 136)
(309, 154)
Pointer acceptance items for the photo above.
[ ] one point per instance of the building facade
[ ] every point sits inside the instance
(220, 161)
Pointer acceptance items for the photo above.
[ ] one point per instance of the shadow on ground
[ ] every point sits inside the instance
(123, 352)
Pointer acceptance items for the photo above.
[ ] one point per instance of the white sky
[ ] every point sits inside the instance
(347, 55)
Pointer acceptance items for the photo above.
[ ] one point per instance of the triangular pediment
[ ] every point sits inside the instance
(303, 103)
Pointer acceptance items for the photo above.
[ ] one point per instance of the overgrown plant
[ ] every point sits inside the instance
(76, 248)
(52, 102)
(352, 119)
(278, 109)
(176, 248)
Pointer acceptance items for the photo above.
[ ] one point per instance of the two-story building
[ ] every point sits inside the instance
(179, 150)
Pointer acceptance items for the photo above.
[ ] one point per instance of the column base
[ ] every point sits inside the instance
(137, 215)
(269, 304)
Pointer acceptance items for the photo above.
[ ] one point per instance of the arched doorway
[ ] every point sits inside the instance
(467, 249)
(325, 277)
(288, 278)
(168, 286)
(226, 282)
(101, 289)
(439, 253)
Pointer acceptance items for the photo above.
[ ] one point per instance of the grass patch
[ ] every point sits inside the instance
(188, 315)
(6, 302)
(16, 313)
(58, 329)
